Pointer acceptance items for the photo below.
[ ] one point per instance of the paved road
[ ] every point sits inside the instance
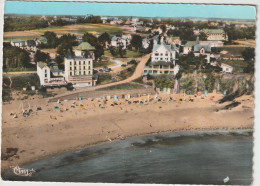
(138, 73)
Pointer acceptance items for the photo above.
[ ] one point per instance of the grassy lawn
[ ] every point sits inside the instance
(103, 64)
(241, 64)
(126, 86)
(234, 50)
(129, 54)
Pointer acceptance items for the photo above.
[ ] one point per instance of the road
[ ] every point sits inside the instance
(137, 73)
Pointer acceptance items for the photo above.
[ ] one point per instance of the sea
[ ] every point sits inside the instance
(174, 158)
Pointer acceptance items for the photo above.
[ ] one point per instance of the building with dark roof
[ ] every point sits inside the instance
(162, 60)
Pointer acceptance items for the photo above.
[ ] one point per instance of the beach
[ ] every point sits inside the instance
(55, 128)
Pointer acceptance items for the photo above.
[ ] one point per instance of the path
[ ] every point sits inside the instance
(138, 73)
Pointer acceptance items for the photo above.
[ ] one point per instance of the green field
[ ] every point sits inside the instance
(232, 50)
(129, 54)
(103, 64)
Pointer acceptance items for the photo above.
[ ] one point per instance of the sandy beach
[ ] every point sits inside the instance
(77, 124)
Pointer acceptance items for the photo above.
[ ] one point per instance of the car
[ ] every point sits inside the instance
(123, 65)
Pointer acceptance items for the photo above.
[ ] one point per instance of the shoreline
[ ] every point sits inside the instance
(176, 133)
(48, 132)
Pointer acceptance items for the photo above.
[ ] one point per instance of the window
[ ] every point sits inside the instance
(45, 75)
(166, 54)
(161, 54)
(84, 62)
(70, 63)
(84, 67)
(166, 58)
(70, 68)
(89, 72)
(89, 62)
(79, 63)
(71, 73)
(89, 67)
(156, 54)
(161, 58)
(79, 72)
(84, 72)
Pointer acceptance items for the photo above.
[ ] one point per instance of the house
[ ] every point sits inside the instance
(215, 34)
(84, 47)
(145, 43)
(31, 45)
(227, 68)
(162, 61)
(204, 50)
(188, 46)
(79, 70)
(173, 40)
(50, 75)
(18, 43)
(120, 41)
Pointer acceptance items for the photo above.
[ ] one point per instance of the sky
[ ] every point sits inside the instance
(131, 9)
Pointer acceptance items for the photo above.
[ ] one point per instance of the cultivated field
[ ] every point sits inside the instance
(77, 29)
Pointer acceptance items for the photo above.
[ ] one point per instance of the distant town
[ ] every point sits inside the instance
(83, 51)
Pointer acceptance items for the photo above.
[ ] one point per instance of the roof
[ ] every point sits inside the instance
(84, 46)
(76, 57)
(168, 47)
(198, 47)
(41, 64)
(55, 68)
(190, 44)
(42, 40)
(31, 43)
(213, 31)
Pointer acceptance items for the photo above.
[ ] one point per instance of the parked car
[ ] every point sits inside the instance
(124, 65)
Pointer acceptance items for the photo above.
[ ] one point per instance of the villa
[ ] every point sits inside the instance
(215, 34)
(204, 50)
(79, 70)
(50, 75)
(162, 61)
(116, 41)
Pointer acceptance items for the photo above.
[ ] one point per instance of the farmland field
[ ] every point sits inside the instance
(77, 29)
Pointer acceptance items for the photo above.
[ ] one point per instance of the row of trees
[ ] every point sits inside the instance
(24, 23)
(35, 22)
(15, 57)
(243, 33)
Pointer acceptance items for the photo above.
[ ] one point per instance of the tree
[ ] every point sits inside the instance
(164, 81)
(91, 39)
(52, 40)
(163, 27)
(203, 36)
(99, 51)
(113, 50)
(121, 51)
(136, 42)
(103, 38)
(210, 82)
(249, 54)
(41, 56)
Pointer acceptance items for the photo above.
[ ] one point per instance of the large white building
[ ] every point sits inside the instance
(79, 70)
(50, 75)
(162, 60)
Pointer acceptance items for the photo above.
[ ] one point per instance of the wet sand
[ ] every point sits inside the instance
(48, 132)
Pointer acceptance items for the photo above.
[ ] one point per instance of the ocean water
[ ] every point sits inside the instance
(183, 158)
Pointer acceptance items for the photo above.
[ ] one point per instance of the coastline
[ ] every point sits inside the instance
(69, 132)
